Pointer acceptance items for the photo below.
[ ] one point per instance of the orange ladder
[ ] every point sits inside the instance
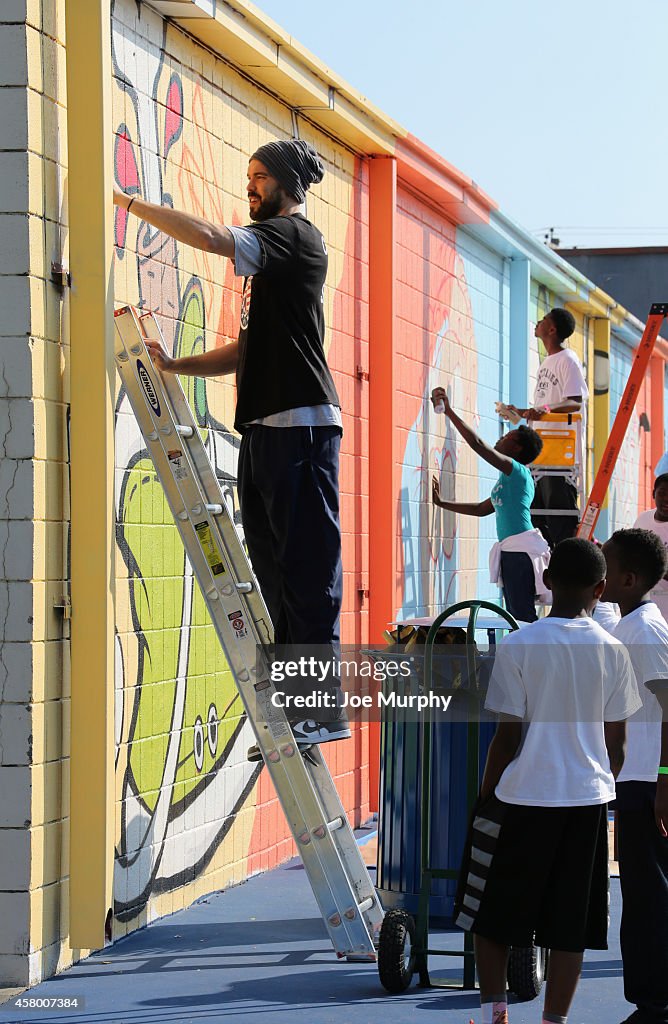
(657, 314)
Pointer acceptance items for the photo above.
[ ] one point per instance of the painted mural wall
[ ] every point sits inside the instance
(192, 812)
(192, 815)
(453, 310)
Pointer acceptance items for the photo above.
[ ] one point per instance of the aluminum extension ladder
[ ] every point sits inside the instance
(340, 881)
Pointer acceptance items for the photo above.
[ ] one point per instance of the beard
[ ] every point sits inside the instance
(268, 207)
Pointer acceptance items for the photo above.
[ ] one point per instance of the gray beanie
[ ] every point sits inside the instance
(295, 164)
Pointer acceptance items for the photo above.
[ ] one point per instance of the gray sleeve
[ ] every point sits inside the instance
(248, 258)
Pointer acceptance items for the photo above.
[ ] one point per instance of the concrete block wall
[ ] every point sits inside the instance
(185, 127)
(436, 345)
(33, 490)
(185, 124)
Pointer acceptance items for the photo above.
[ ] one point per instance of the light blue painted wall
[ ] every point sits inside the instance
(488, 281)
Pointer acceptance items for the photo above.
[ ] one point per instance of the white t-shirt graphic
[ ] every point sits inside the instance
(564, 678)
(560, 377)
(645, 633)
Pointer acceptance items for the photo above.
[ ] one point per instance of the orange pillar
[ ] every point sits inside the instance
(383, 493)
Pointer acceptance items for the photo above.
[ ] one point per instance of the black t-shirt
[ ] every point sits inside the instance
(282, 361)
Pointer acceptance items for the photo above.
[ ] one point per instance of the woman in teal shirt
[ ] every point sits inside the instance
(510, 499)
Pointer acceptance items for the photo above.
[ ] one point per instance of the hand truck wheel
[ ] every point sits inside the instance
(527, 968)
(396, 955)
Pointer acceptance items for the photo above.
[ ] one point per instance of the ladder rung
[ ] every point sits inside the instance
(244, 588)
(215, 510)
(366, 904)
(332, 826)
(184, 431)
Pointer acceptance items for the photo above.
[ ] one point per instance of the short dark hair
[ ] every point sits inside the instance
(563, 321)
(531, 444)
(642, 552)
(663, 479)
(576, 563)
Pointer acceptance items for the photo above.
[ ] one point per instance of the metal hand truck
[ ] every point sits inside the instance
(404, 940)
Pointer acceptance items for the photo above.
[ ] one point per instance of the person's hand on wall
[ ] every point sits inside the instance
(157, 353)
(440, 398)
(122, 199)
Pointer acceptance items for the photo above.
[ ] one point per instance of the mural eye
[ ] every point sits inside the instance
(173, 113)
(212, 729)
(198, 743)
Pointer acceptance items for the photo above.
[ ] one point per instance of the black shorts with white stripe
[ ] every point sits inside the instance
(536, 874)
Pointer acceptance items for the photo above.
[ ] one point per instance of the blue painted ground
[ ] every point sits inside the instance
(259, 954)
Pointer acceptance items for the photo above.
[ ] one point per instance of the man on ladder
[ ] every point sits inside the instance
(288, 411)
(560, 388)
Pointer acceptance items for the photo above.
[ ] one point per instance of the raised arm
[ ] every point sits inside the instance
(184, 227)
(480, 447)
(465, 508)
(215, 363)
(571, 404)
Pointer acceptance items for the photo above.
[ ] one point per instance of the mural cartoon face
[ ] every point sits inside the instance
(181, 736)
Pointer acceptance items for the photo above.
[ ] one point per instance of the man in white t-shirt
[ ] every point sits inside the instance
(560, 387)
(536, 867)
(656, 520)
(636, 560)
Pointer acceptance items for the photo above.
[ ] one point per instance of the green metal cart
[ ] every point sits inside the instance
(404, 939)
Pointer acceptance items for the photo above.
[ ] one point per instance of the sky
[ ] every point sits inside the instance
(556, 110)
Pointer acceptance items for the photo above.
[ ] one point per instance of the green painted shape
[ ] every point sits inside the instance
(158, 598)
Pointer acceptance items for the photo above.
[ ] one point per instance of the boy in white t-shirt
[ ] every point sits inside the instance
(537, 865)
(560, 387)
(656, 520)
(636, 561)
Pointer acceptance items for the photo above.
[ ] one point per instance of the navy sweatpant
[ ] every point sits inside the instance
(643, 873)
(519, 585)
(289, 498)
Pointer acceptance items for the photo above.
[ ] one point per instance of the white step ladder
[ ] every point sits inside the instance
(340, 881)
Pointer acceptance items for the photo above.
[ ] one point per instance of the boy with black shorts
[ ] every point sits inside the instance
(636, 564)
(537, 865)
